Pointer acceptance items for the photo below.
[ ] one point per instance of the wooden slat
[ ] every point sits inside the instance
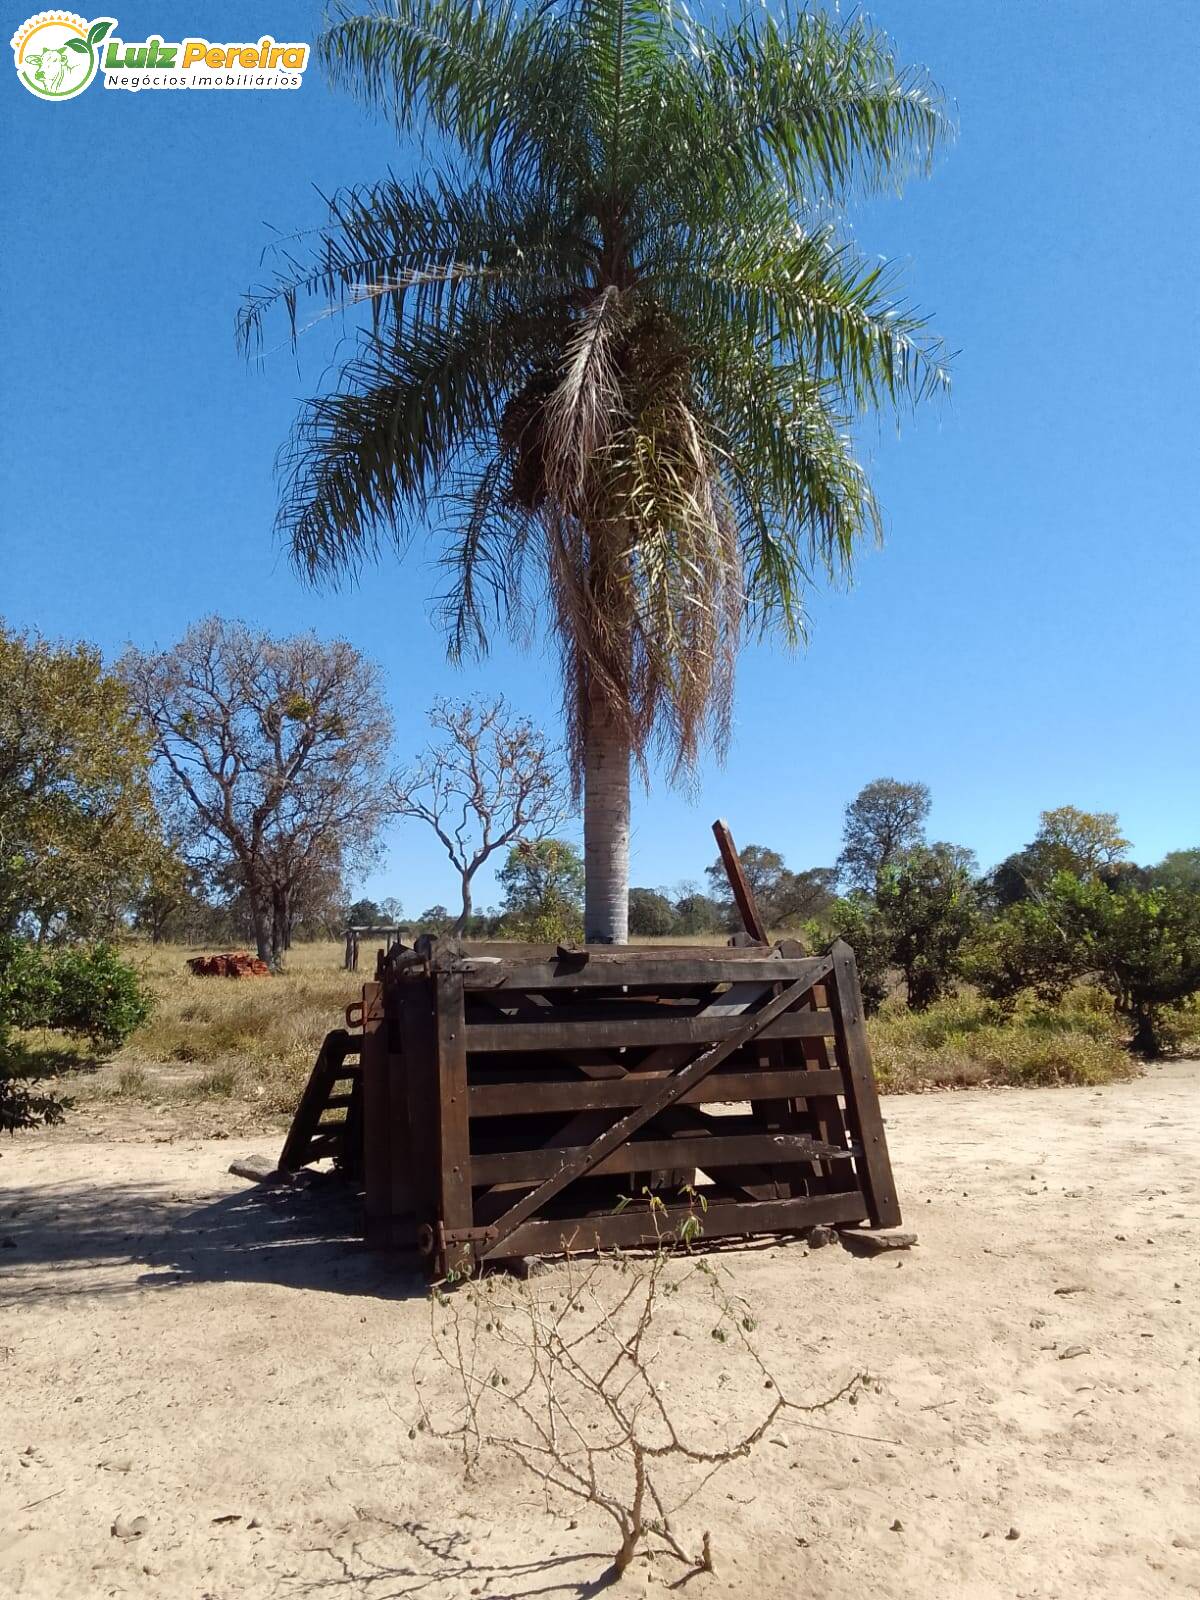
(508, 1099)
(498, 1037)
(743, 895)
(415, 1079)
(723, 1219)
(862, 1096)
(722, 966)
(454, 956)
(678, 1084)
(591, 1063)
(713, 1150)
(379, 1142)
(455, 1210)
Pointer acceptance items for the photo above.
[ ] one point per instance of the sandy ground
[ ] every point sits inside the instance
(180, 1346)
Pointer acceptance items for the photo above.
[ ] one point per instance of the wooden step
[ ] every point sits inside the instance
(310, 1137)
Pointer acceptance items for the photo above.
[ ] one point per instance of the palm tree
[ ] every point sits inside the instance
(613, 344)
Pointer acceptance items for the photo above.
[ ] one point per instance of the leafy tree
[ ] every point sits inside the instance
(1026, 947)
(616, 338)
(925, 910)
(885, 819)
(270, 756)
(805, 894)
(1080, 841)
(436, 920)
(1144, 944)
(543, 891)
(928, 904)
(79, 834)
(783, 897)
(169, 887)
(364, 914)
(699, 913)
(489, 778)
(765, 874)
(1178, 869)
(651, 914)
(1084, 843)
(856, 920)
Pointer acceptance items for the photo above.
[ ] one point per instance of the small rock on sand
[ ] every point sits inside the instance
(865, 1242)
(259, 1169)
(130, 1527)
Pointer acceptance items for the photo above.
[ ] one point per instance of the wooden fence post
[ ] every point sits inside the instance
(862, 1097)
(454, 1157)
(378, 1144)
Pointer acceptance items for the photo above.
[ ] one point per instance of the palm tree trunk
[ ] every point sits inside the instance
(606, 757)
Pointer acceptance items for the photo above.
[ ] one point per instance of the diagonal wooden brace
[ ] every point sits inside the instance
(580, 1163)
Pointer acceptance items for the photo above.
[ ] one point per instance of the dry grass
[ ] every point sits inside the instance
(247, 1039)
(967, 1041)
(252, 1041)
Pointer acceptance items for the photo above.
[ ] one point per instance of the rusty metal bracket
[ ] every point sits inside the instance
(433, 1238)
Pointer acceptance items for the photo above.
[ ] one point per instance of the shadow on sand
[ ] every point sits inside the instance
(63, 1239)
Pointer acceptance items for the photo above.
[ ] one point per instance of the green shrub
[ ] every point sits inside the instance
(1025, 947)
(970, 1040)
(100, 997)
(28, 990)
(85, 990)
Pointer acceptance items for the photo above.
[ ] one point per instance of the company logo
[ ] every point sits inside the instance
(58, 54)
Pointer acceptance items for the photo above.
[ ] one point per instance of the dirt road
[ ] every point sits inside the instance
(180, 1347)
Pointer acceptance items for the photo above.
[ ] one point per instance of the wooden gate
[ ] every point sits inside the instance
(521, 1100)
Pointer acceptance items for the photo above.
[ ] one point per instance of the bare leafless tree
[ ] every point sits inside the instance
(488, 778)
(270, 752)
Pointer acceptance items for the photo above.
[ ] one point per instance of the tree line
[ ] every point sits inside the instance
(1070, 906)
(234, 784)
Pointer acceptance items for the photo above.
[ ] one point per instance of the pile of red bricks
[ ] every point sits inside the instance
(233, 964)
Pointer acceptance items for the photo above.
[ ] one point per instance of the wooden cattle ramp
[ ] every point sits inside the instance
(524, 1100)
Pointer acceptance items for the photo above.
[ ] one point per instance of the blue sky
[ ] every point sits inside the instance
(1026, 638)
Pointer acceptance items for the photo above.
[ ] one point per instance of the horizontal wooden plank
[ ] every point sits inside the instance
(554, 1034)
(515, 950)
(503, 1007)
(723, 1219)
(722, 966)
(510, 1099)
(711, 1150)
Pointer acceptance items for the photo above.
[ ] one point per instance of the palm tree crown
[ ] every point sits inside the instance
(616, 338)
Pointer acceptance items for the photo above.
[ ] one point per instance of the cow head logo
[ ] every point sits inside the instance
(57, 53)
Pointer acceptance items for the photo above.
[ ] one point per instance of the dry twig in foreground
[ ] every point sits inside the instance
(567, 1374)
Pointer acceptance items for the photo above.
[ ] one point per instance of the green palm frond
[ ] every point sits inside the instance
(822, 103)
(614, 346)
(412, 249)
